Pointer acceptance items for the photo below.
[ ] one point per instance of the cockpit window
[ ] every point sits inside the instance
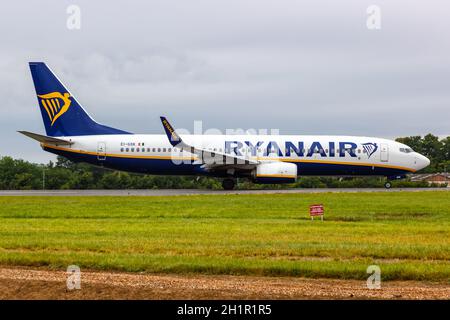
(406, 150)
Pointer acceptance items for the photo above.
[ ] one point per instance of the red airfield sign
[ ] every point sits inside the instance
(316, 210)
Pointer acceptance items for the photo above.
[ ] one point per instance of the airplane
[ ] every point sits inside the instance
(273, 159)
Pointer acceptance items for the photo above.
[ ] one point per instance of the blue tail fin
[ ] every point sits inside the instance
(62, 114)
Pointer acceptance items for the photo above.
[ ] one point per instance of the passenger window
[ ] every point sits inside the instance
(159, 149)
(164, 149)
(121, 149)
(137, 149)
(132, 149)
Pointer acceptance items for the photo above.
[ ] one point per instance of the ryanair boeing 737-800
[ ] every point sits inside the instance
(72, 133)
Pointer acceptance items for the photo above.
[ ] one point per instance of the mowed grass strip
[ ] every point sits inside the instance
(406, 233)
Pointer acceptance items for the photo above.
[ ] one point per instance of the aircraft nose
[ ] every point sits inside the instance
(422, 162)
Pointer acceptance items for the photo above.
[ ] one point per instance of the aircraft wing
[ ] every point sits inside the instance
(45, 139)
(210, 159)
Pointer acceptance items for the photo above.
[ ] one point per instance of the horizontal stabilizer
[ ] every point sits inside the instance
(45, 139)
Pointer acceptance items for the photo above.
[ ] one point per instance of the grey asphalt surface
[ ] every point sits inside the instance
(179, 192)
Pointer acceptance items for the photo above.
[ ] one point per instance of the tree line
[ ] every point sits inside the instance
(17, 174)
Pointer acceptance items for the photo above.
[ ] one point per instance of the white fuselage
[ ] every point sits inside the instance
(314, 155)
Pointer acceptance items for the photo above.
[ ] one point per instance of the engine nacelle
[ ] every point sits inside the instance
(275, 172)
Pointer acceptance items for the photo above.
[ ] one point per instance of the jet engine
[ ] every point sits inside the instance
(275, 172)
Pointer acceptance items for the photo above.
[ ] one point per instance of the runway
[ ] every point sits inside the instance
(184, 192)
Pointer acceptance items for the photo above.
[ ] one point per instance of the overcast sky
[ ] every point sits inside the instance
(304, 67)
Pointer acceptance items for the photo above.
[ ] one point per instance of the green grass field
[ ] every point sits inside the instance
(406, 233)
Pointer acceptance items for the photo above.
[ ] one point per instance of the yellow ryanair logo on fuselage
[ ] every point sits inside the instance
(56, 104)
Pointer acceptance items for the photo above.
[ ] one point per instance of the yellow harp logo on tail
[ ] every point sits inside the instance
(56, 104)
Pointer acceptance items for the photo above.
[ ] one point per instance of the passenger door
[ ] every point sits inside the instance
(101, 151)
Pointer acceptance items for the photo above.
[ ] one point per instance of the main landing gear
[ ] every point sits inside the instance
(228, 184)
(387, 184)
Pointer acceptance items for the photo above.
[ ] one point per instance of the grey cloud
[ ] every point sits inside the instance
(305, 67)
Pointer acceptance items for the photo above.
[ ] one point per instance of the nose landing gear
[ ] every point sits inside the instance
(388, 183)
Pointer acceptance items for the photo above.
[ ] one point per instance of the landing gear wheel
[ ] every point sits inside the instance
(387, 184)
(228, 184)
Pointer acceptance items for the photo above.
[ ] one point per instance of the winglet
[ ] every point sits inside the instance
(174, 138)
